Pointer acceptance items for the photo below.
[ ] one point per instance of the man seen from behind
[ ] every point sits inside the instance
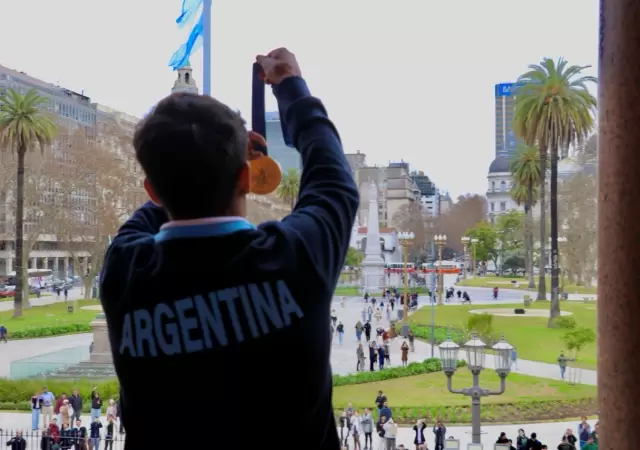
(196, 297)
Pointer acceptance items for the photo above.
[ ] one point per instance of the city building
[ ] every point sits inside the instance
(185, 81)
(499, 177)
(356, 161)
(396, 189)
(287, 157)
(77, 118)
(429, 193)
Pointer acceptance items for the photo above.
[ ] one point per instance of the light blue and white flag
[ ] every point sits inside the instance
(188, 12)
(181, 57)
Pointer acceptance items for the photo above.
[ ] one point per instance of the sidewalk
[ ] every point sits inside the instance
(46, 300)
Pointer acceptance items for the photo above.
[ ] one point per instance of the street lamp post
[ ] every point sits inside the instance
(406, 239)
(474, 242)
(440, 240)
(465, 265)
(475, 350)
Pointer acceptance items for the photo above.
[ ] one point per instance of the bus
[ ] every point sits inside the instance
(399, 268)
(446, 267)
(38, 278)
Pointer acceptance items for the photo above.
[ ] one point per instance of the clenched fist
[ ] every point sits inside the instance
(278, 65)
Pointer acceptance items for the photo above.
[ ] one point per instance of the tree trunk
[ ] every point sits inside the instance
(542, 286)
(17, 302)
(529, 237)
(555, 301)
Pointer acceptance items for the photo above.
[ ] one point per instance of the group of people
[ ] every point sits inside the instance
(360, 428)
(62, 422)
(379, 348)
(586, 439)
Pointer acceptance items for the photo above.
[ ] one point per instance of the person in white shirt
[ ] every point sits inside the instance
(390, 432)
(356, 430)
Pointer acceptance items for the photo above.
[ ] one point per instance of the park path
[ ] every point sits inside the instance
(74, 294)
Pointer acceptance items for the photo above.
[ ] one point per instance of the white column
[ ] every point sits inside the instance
(9, 264)
(34, 263)
(55, 267)
(66, 266)
(85, 266)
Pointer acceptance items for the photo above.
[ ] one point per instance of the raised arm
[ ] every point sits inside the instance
(323, 217)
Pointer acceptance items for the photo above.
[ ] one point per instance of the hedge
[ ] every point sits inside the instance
(521, 412)
(440, 333)
(417, 368)
(56, 330)
(16, 394)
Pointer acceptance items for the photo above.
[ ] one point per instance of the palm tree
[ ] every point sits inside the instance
(525, 168)
(25, 124)
(554, 110)
(289, 187)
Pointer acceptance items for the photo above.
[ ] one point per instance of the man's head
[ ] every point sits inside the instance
(78, 423)
(193, 150)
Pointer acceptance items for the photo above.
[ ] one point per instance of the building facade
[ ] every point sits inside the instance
(79, 118)
(499, 178)
(287, 157)
(396, 190)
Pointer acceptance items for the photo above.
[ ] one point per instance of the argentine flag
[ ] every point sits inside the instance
(188, 12)
(181, 56)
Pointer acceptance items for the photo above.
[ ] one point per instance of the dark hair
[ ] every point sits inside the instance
(191, 148)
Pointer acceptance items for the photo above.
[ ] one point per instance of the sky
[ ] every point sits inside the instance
(409, 80)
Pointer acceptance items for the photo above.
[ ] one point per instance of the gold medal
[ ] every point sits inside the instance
(266, 175)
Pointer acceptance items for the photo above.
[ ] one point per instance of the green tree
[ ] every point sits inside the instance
(25, 124)
(486, 248)
(354, 257)
(289, 187)
(554, 110)
(509, 228)
(577, 338)
(525, 168)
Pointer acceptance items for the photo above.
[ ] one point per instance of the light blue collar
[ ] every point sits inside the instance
(203, 230)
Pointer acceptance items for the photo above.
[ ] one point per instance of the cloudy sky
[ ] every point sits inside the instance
(404, 80)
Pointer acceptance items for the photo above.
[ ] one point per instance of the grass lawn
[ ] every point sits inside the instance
(493, 281)
(48, 316)
(526, 398)
(431, 389)
(530, 335)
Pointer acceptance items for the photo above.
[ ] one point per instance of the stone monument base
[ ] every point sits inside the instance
(372, 279)
(101, 349)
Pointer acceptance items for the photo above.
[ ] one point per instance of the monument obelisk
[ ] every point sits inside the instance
(373, 264)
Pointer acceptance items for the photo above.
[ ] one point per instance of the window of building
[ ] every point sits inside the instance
(503, 186)
(492, 206)
(493, 186)
(503, 206)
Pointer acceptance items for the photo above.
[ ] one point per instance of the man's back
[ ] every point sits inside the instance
(221, 317)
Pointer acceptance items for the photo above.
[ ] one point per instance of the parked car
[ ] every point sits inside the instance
(7, 291)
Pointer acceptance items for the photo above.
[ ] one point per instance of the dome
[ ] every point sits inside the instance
(500, 164)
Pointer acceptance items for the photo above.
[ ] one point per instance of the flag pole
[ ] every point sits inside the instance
(206, 46)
